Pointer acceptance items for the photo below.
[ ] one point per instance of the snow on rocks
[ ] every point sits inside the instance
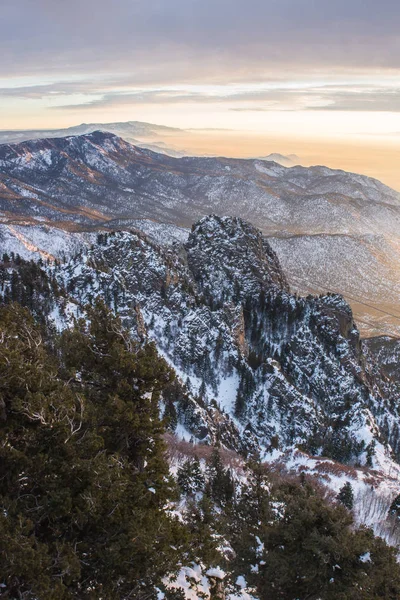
(259, 369)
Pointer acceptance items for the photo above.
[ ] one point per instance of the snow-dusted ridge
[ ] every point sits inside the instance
(98, 179)
(34, 241)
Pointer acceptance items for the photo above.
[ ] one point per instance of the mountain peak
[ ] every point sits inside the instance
(102, 138)
(289, 160)
(229, 254)
(99, 137)
(98, 134)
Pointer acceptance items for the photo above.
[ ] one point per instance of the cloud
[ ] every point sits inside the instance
(40, 91)
(372, 100)
(333, 98)
(187, 40)
(255, 56)
(329, 97)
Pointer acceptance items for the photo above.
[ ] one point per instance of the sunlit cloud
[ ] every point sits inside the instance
(89, 95)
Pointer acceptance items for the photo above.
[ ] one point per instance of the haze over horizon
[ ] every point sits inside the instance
(316, 79)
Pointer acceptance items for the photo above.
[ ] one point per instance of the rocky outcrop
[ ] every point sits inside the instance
(257, 366)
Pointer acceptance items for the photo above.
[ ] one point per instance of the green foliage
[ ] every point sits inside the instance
(346, 496)
(252, 513)
(289, 543)
(311, 552)
(370, 453)
(84, 485)
(190, 477)
(175, 594)
(29, 285)
(83, 479)
(245, 390)
(220, 486)
(334, 442)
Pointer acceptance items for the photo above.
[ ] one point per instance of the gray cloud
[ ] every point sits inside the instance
(376, 100)
(34, 91)
(170, 96)
(45, 91)
(343, 98)
(163, 41)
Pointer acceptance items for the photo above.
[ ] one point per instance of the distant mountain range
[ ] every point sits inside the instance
(136, 132)
(145, 135)
(332, 230)
(290, 160)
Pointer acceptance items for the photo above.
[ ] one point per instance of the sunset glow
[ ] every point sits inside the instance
(321, 80)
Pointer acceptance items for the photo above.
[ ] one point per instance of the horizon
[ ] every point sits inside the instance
(318, 80)
(376, 162)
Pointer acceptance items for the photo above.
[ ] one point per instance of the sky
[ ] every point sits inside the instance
(317, 78)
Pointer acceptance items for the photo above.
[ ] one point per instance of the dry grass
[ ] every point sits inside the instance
(337, 469)
(179, 450)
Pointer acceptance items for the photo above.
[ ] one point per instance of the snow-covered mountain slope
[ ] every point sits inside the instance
(32, 241)
(383, 354)
(364, 268)
(42, 241)
(258, 367)
(374, 489)
(100, 176)
(386, 352)
(164, 234)
(275, 368)
(333, 231)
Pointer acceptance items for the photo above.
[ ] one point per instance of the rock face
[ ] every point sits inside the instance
(231, 261)
(258, 366)
(384, 352)
(383, 364)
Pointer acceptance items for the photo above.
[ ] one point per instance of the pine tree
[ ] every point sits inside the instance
(370, 453)
(220, 484)
(251, 514)
(190, 477)
(346, 496)
(219, 346)
(203, 390)
(311, 551)
(86, 434)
